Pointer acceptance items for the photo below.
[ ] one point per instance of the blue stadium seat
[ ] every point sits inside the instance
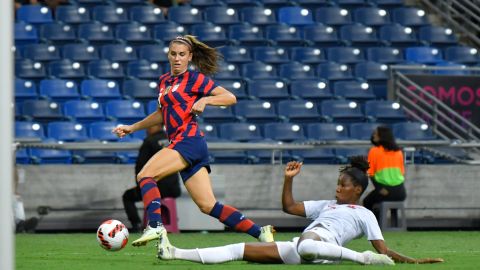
(301, 111)
(28, 130)
(412, 131)
(24, 90)
(353, 90)
(35, 14)
(241, 132)
(275, 4)
(168, 31)
(247, 35)
(133, 33)
(295, 16)
(423, 55)
(387, 3)
(185, 15)
(41, 52)
(221, 15)
(459, 69)
(153, 53)
(327, 131)
(66, 69)
(105, 69)
(59, 90)
(25, 33)
(140, 89)
(205, 3)
(95, 33)
(268, 89)
(218, 114)
(256, 111)
(345, 55)
(286, 132)
(343, 154)
(42, 110)
(118, 52)
(397, 35)
(362, 131)
(384, 111)
(227, 156)
(350, 3)
(125, 111)
(241, 3)
(321, 35)
(96, 157)
(359, 35)
(28, 69)
(67, 131)
(212, 35)
(315, 156)
(209, 131)
(90, 3)
(237, 87)
(22, 156)
(462, 54)
(57, 33)
(311, 89)
(83, 111)
(410, 16)
(228, 71)
(372, 71)
(143, 69)
(437, 36)
(371, 16)
(100, 90)
(16, 53)
(110, 14)
(50, 156)
(102, 130)
(385, 55)
(270, 55)
(334, 71)
(258, 70)
(341, 111)
(152, 106)
(258, 15)
(235, 54)
(307, 55)
(333, 16)
(72, 14)
(80, 52)
(128, 3)
(284, 35)
(296, 71)
(147, 14)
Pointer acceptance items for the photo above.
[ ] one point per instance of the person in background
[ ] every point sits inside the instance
(169, 186)
(387, 170)
(22, 225)
(334, 224)
(183, 95)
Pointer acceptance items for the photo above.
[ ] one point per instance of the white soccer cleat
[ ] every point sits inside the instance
(373, 258)
(150, 234)
(266, 234)
(165, 250)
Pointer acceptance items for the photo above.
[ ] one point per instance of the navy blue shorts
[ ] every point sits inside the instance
(195, 152)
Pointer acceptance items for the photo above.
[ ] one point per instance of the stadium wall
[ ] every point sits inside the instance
(80, 196)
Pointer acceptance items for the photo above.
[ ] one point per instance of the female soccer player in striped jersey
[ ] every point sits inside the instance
(184, 94)
(335, 223)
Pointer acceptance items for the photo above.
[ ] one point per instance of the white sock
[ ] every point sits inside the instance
(221, 254)
(310, 250)
(18, 209)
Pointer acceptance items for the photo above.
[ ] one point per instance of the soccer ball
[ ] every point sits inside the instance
(112, 235)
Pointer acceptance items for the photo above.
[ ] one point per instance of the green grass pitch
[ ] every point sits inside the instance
(461, 250)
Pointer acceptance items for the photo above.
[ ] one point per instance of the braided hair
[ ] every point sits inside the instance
(357, 170)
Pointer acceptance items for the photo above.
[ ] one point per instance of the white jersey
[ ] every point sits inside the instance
(345, 221)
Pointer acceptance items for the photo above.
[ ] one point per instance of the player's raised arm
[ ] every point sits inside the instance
(218, 97)
(289, 204)
(153, 119)
(382, 248)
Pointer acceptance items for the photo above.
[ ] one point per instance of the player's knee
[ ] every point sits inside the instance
(205, 208)
(307, 249)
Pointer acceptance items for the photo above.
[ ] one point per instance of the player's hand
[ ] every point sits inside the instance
(122, 131)
(199, 106)
(293, 168)
(429, 260)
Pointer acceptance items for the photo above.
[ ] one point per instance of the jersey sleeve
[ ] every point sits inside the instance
(313, 209)
(204, 85)
(370, 226)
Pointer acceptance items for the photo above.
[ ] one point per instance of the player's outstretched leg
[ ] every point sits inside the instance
(231, 217)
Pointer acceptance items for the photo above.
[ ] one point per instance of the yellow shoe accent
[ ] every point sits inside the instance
(149, 234)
